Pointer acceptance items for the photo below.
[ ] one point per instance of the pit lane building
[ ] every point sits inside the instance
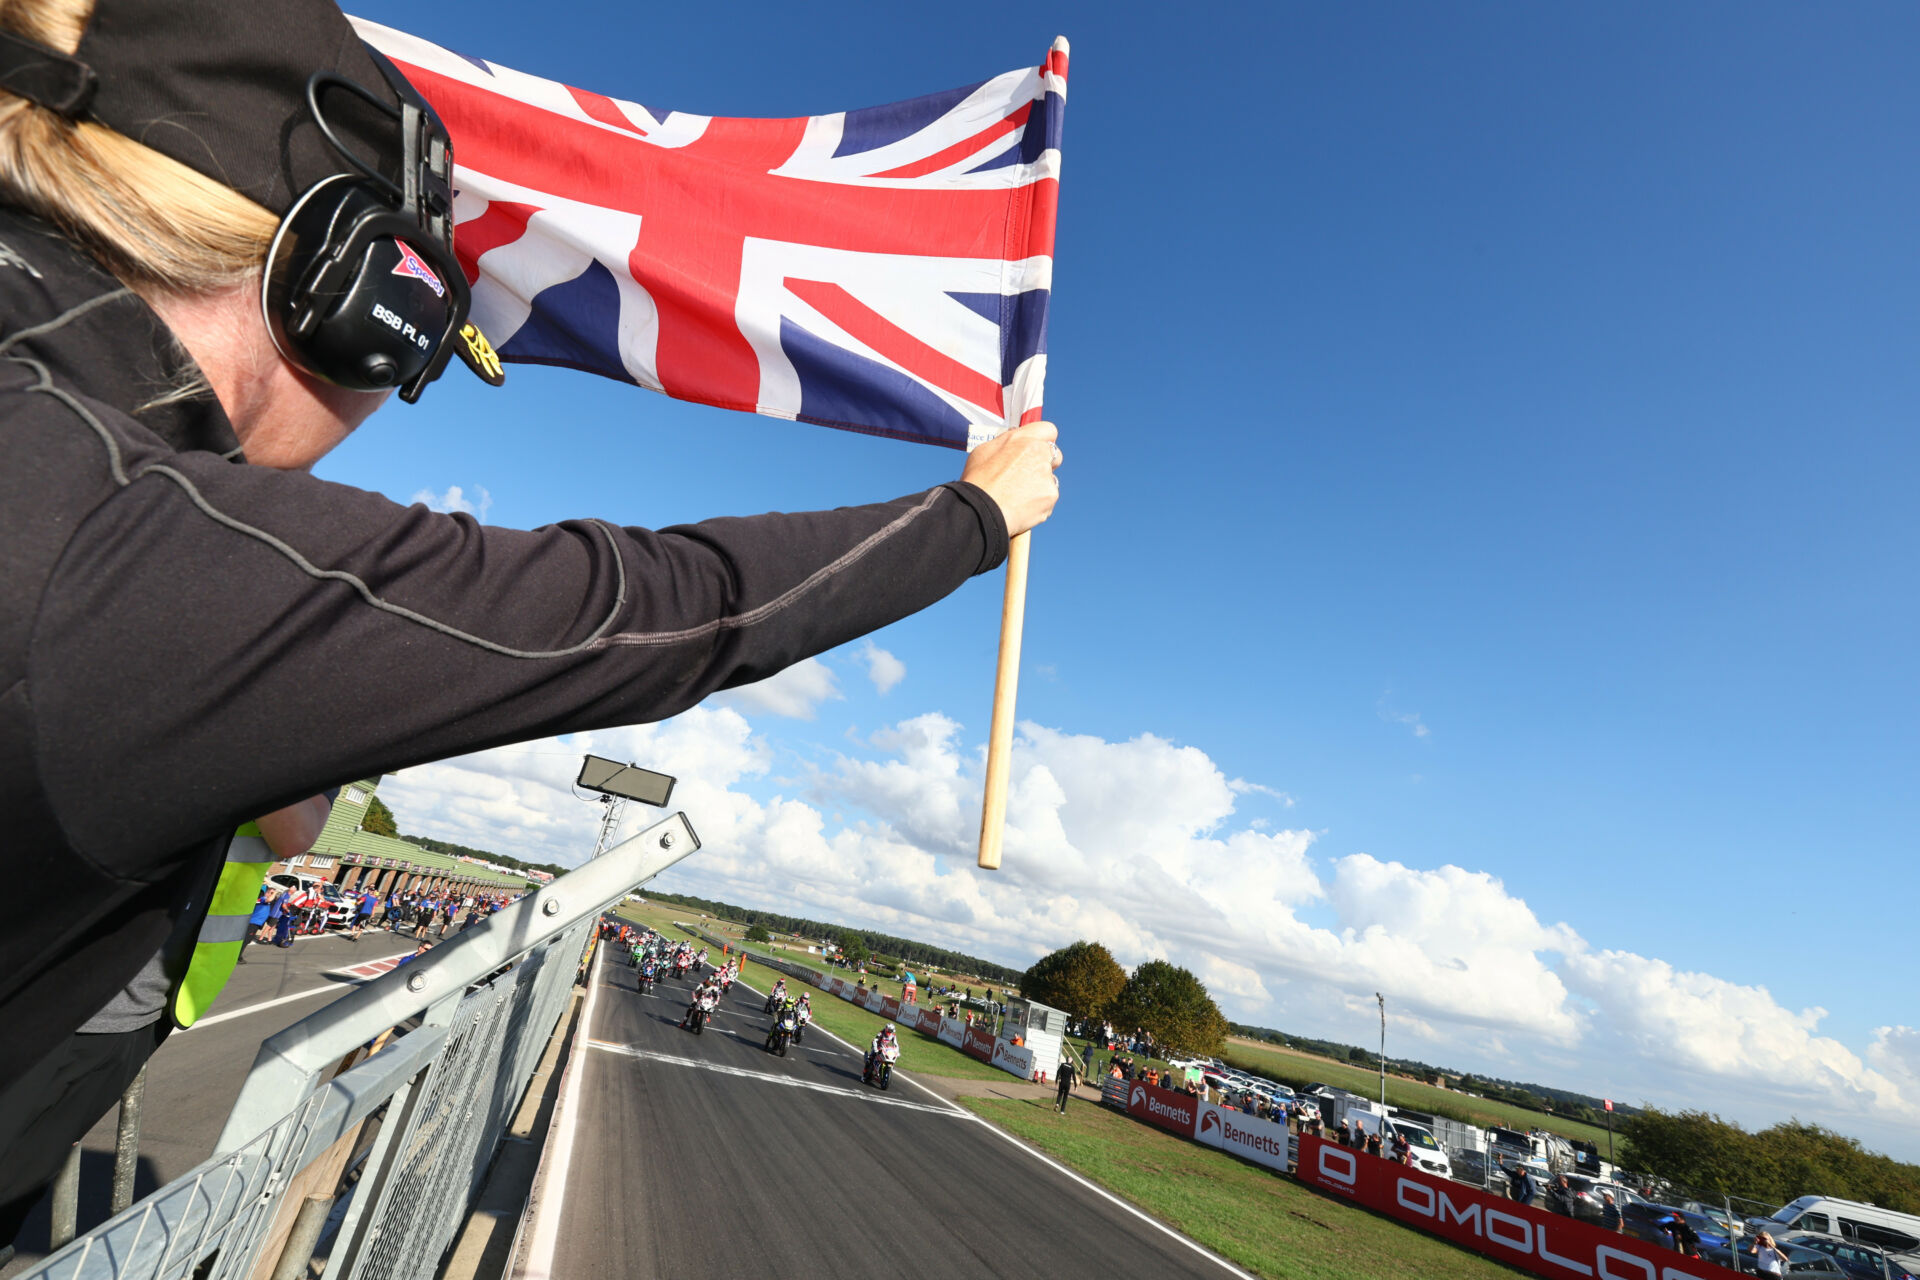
(355, 859)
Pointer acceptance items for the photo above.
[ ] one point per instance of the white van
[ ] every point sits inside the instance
(1885, 1229)
(1428, 1155)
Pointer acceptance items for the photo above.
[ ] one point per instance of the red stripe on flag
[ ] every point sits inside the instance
(1032, 415)
(502, 223)
(960, 150)
(896, 344)
(602, 109)
(1056, 63)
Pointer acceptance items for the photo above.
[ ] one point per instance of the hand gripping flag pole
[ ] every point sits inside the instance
(885, 270)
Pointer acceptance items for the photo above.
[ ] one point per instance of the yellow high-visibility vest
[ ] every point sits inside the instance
(224, 932)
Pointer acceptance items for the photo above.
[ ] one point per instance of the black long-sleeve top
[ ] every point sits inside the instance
(187, 642)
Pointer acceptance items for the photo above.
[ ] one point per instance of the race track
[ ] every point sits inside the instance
(705, 1157)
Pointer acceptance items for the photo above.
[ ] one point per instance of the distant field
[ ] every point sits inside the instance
(1267, 1223)
(1291, 1067)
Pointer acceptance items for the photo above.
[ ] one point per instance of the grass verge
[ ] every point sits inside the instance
(1265, 1222)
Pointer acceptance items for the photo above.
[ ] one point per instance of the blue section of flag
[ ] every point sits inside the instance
(574, 323)
(871, 128)
(841, 389)
(1022, 318)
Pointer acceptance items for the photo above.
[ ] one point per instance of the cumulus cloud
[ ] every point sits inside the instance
(1139, 843)
(883, 668)
(455, 499)
(795, 693)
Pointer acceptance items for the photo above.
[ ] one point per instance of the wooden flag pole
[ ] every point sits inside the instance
(1006, 684)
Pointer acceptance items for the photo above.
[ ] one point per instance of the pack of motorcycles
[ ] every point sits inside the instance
(788, 1027)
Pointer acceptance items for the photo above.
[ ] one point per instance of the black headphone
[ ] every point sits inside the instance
(361, 286)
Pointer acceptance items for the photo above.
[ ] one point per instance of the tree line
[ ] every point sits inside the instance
(858, 944)
(1712, 1156)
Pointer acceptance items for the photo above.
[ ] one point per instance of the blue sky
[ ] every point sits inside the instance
(1490, 428)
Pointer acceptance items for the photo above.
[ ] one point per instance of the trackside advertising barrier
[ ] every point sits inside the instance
(952, 1031)
(1163, 1108)
(1012, 1058)
(1249, 1137)
(1544, 1243)
(978, 1043)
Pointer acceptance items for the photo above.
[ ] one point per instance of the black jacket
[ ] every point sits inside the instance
(187, 642)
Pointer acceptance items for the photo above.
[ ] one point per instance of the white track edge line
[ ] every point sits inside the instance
(553, 1188)
(1048, 1160)
(338, 988)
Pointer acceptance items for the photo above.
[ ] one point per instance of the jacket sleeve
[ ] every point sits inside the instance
(218, 640)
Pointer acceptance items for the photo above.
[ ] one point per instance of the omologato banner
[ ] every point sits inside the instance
(1545, 1244)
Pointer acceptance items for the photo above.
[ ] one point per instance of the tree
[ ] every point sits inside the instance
(758, 933)
(379, 819)
(1082, 979)
(853, 948)
(1171, 1005)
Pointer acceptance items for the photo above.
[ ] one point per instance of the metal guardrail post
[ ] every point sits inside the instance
(126, 1142)
(66, 1198)
(289, 1064)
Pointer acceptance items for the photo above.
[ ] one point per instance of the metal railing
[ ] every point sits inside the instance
(473, 1017)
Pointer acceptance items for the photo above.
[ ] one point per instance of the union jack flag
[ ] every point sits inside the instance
(886, 270)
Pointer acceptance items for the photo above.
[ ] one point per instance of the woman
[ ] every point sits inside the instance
(180, 591)
(1769, 1259)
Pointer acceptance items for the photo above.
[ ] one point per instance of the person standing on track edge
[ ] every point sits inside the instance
(183, 600)
(1069, 1074)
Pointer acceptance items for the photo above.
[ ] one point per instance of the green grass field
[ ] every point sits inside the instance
(1291, 1067)
(1265, 1222)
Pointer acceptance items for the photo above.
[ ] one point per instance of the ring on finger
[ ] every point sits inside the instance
(1058, 457)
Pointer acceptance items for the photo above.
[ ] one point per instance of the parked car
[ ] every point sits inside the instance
(1809, 1263)
(1888, 1229)
(1645, 1221)
(340, 907)
(1862, 1261)
(1587, 1204)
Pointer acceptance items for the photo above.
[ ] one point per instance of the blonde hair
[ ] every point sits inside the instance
(157, 225)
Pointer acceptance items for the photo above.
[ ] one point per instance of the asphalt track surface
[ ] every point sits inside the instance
(706, 1157)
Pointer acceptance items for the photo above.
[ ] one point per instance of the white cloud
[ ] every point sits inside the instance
(1138, 843)
(455, 499)
(883, 668)
(795, 693)
(1241, 787)
(1392, 715)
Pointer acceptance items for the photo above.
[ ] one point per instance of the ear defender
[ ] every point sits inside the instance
(352, 294)
(361, 287)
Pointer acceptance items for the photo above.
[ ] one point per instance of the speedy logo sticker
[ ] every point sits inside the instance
(413, 266)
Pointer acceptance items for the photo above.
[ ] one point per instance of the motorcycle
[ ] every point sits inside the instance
(701, 1011)
(646, 979)
(773, 1000)
(800, 1020)
(880, 1065)
(784, 1032)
